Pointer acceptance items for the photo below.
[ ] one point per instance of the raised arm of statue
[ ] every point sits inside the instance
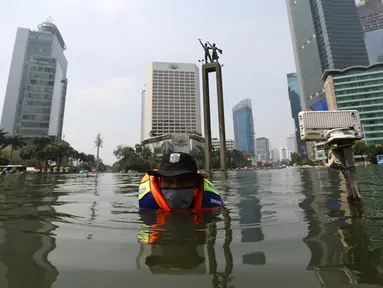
(200, 41)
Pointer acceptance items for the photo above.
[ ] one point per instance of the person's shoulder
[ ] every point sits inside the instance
(211, 196)
(145, 178)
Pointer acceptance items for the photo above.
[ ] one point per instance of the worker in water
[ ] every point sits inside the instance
(177, 185)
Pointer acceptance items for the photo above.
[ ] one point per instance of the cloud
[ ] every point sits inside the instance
(112, 109)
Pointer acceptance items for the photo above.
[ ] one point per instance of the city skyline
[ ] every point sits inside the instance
(107, 71)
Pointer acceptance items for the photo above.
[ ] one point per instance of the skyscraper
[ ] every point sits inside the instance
(291, 145)
(371, 19)
(275, 155)
(370, 14)
(36, 91)
(284, 154)
(294, 97)
(326, 34)
(262, 149)
(143, 99)
(244, 127)
(172, 100)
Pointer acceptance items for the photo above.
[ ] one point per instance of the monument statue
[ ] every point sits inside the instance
(214, 54)
(212, 65)
(206, 48)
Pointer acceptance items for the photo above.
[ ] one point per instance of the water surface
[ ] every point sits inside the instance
(283, 228)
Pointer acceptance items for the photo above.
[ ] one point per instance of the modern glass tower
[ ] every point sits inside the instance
(359, 88)
(295, 105)
(262, 148)
(244, 127)
(326, 34)
(36, 91)
(371, 19)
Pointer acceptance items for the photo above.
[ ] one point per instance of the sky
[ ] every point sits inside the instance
(111, 42)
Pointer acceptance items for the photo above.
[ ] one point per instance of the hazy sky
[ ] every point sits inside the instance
(110, 42)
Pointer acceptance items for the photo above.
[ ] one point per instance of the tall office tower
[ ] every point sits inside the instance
(326, 34)
(143, 98)
(291, 145)
(294, 96)
(370, 14)
(371, 19)
(172, 101)
(34, 102)
(284, 154)
(244, 127)
(262, 149)
(275, 155)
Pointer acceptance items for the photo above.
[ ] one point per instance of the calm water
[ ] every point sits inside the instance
(284, 228)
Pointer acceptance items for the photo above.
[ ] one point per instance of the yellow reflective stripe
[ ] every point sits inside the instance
(143, 189)
(209, 187)
(145, 178)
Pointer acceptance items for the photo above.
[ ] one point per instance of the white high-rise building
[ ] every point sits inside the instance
(143, 99)
(284, 154)
(172, 101)
(275, 155)
(291, 145)
(216, 144)
(36, 91)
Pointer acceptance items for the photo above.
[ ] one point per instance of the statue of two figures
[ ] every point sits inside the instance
(214, 52)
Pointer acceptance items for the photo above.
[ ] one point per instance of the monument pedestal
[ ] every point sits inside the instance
(206, 69)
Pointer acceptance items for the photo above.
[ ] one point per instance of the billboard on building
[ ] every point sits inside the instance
(320, 106)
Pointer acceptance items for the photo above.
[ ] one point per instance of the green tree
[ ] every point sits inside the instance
(16, 142)
(139, 158)
(296, 159)
(3, 139)
(198, 154)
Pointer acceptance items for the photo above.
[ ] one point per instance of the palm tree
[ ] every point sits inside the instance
(16, 142)
(98, 143)
(3, 139)
(39, 144)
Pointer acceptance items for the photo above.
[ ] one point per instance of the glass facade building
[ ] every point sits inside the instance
(371, 19)
(36, 91)
(359, 88)
(262, 148)
(326, 34)
(295, 105)
(374, 45)
(244, 127)
(370, 14)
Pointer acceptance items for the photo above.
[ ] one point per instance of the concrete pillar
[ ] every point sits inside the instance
(221, 117)
(206, 69)
(207, 120)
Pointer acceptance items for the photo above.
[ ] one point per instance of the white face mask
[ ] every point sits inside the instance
(179, 199)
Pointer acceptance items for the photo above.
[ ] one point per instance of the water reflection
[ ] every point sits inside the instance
(175, 244)
(27, 232)
(342, 251)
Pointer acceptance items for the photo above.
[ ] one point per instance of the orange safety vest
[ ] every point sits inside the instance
(154, 182)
